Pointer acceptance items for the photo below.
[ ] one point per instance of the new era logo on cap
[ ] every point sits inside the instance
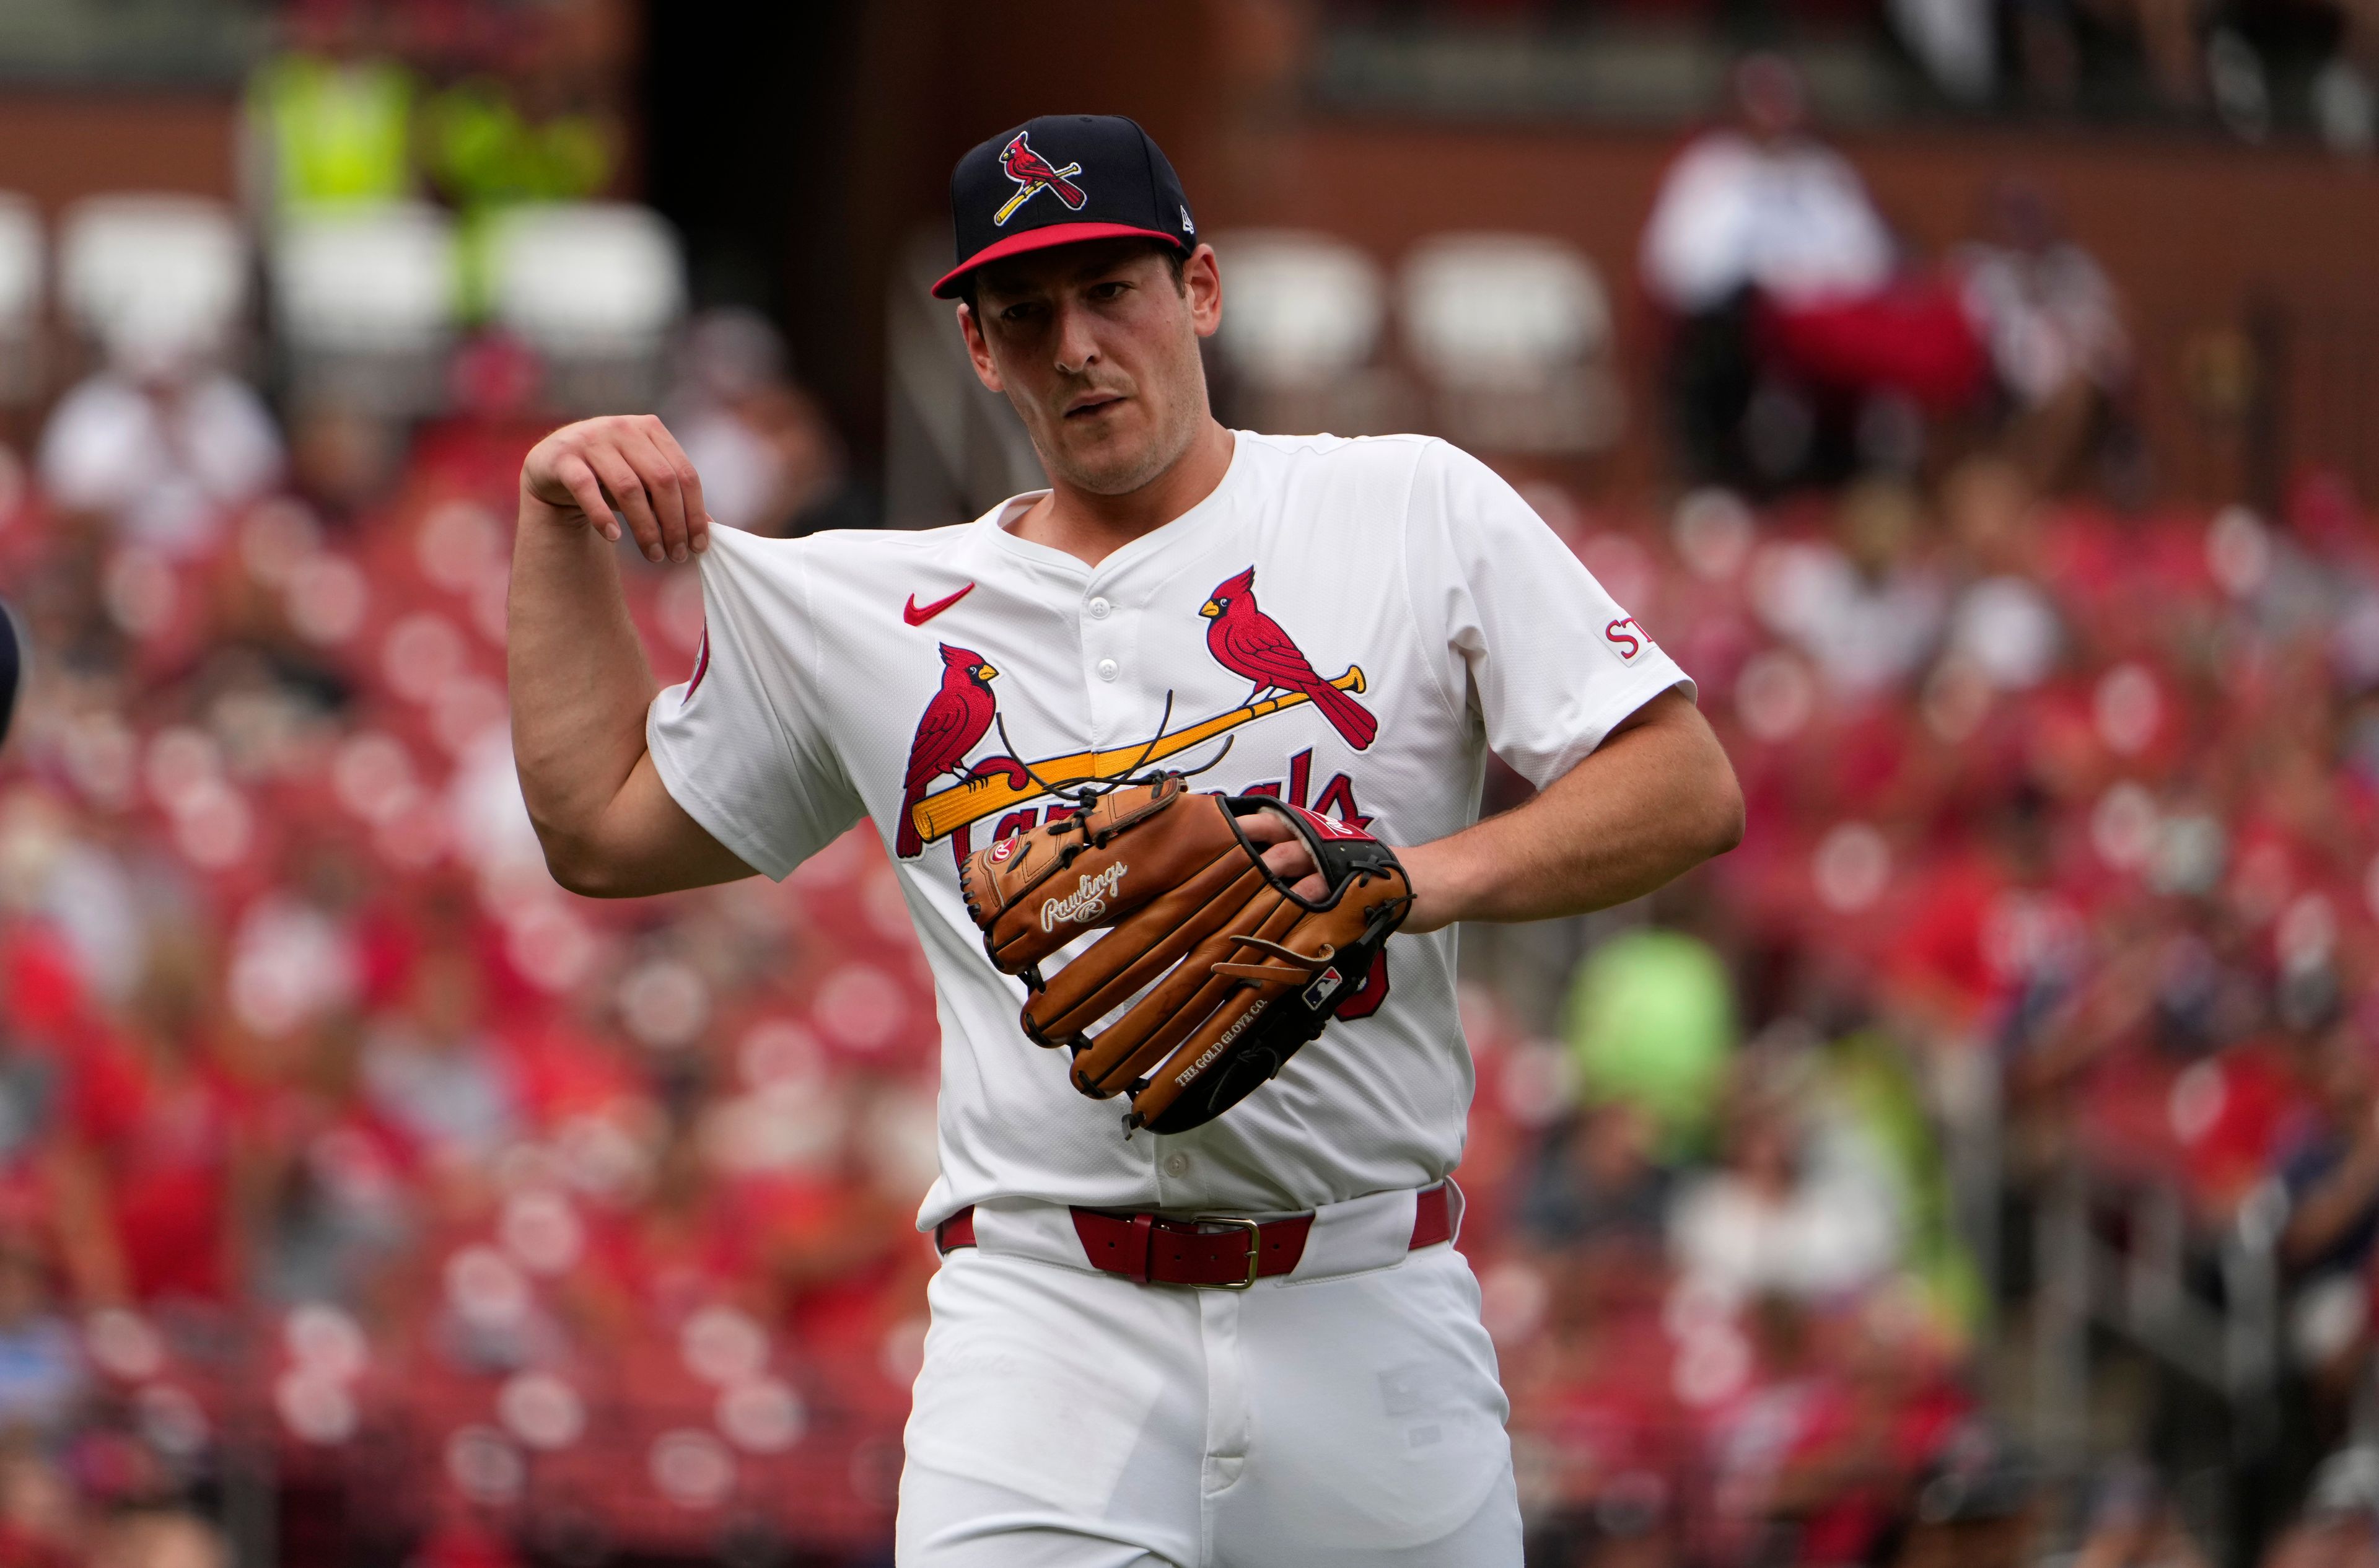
(1060, 180)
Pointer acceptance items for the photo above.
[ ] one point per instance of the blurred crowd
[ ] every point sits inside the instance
(341, 1145)
(2057, 909)
(366, 1198)
(338, 1144)
(2248, 70)
(2062, 851)
(1809, 342)
(363, 1197)
(349, 1159)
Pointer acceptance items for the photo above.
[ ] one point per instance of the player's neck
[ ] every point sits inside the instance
(1090, 526)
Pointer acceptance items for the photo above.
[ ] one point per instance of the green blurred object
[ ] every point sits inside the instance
(1650, 1018)
(338, 132)
(482, 152)
(485, 155)
(1874, 1085)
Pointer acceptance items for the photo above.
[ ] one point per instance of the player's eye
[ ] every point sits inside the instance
(1111, 289)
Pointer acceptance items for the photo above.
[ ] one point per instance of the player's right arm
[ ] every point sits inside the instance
(575, 667)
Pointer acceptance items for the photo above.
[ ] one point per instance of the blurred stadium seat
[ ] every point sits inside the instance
(1514, 331)
(1302, 332)
(1304, 307)
(148, 276)
(593, 288)
(364, 301)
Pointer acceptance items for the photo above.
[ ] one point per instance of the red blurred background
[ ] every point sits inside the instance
(1980, 1164)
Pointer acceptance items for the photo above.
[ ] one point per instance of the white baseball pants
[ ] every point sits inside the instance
(1069, 1418)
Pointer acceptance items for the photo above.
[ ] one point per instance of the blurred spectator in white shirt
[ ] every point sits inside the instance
(1789, 1213)
(2004, 628)
(1865, 607)
(161, 443)
(1751, 216)
(1763, 205)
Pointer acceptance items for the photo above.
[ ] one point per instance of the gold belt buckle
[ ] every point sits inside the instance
(1255, 1248)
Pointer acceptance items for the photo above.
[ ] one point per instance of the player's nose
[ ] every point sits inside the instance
(1078, 347)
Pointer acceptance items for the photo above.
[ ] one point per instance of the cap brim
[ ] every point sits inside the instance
(1045, 238)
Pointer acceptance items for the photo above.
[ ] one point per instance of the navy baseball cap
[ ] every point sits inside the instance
(1060, 180)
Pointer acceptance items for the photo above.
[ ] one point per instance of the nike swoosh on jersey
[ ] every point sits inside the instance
(915, 617)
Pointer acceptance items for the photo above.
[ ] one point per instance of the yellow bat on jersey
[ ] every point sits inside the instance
(955, 806)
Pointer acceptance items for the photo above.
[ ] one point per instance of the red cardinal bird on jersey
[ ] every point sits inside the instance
(1246, 641)
(1029, 169)
(954, 723)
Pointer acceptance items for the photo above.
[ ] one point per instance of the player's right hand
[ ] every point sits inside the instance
(622, 464)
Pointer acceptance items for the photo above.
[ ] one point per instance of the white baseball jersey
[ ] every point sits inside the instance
(1359, 622)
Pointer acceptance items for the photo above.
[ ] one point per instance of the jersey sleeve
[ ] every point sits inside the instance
(743, 743)
(1532, 644)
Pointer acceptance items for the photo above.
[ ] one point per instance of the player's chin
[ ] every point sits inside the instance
(1109, 462)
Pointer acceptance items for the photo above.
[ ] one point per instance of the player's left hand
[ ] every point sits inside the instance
(1289, 857)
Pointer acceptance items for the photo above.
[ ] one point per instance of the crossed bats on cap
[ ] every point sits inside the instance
(1031, 173)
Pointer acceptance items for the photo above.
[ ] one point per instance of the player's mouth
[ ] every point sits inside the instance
(1090, 406)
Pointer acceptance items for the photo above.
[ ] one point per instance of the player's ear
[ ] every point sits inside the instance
(1202, 280)
(986, 370)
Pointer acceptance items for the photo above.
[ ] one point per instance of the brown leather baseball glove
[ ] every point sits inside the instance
(1213, 971)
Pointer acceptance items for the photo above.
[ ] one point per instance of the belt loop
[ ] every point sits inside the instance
(1144, 1252)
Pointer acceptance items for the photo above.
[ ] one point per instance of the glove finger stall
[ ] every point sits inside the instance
(1097, 983)
(1034, 892)
(1154, 1027)
(1238, 1025)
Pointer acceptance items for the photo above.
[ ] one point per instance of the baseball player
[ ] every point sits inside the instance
(1249, 1343)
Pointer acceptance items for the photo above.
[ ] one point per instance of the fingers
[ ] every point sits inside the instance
(625, 492)
(630, 465)
(587, 491)
(1291, 859)
(1289, 856)
(672, 484)
(1267, 827)
(664, 483)
(697, 514)
(1294, 860)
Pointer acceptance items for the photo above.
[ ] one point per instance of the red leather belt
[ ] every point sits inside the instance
(1216, 1250)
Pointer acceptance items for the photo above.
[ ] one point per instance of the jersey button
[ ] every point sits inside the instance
(1109, 669)
(1099, 609)
(1176, 1165)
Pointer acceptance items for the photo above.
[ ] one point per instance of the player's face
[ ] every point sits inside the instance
(1096, 347)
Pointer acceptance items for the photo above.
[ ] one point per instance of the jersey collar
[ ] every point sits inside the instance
(995, 523)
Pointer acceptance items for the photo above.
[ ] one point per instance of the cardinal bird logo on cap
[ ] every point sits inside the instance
(1248, 642)
(1033, 176)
